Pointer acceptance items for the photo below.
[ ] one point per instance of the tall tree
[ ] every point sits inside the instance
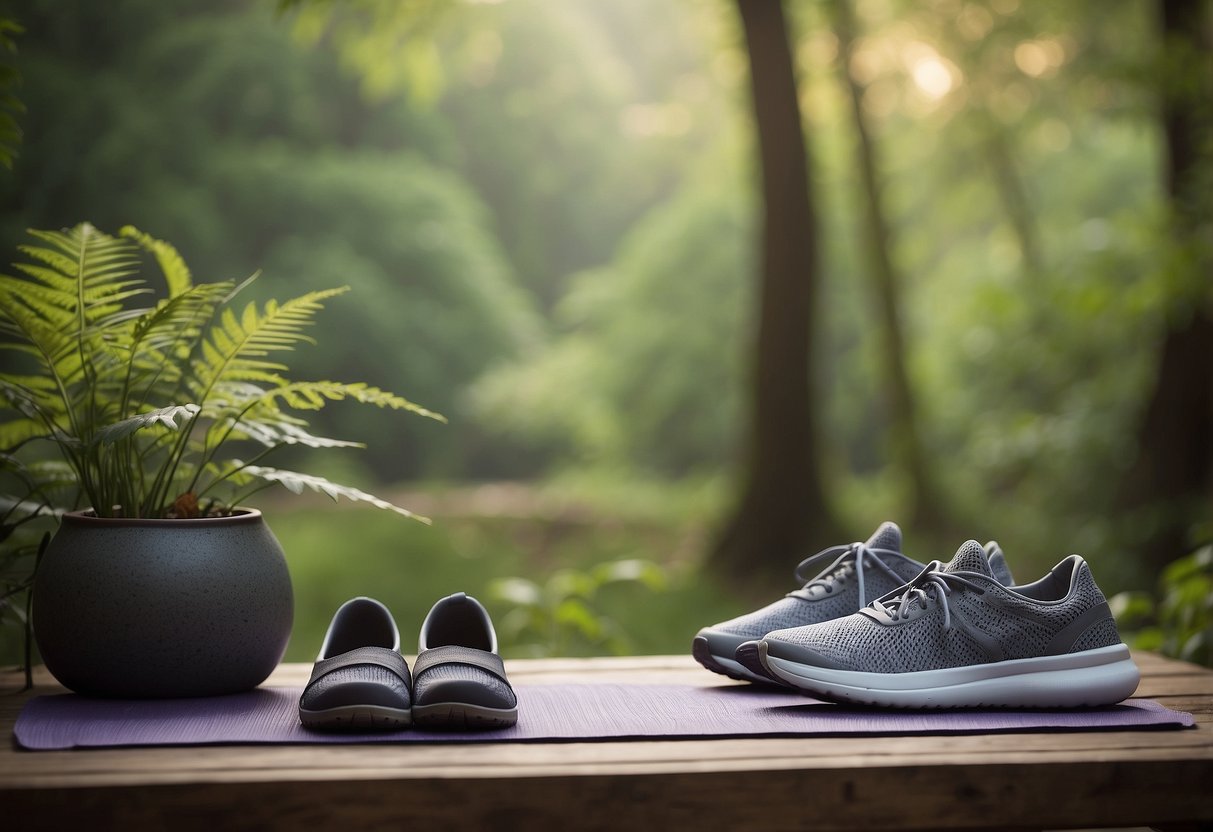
(1171, 482)
(926, 507)
(783, 508)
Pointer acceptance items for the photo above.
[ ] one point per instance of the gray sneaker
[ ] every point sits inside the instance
(957, 637)
(852, 576)
(748, 657)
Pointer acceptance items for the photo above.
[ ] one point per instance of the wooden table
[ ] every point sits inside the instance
(1029, 781)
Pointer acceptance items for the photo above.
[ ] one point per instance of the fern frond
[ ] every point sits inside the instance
(36, 406)
(52, 473)
(179, 317)
(17, 432)
(20, 398)
(10, 506)
(35, 386)
(163, 340)
(97, 264)
(275, 433)
(47, 334)
(39, 480)
(99, 295)
(296, 483)
(176, 274)
(234, 348)
(91, 359)
(313, 395)
(70, 305)
(165, 416)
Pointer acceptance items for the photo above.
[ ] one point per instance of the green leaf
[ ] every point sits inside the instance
(518, 592)
(296, 483)
(574, 613)
(1200, 561)
(568, 583)
(312, 395)
(1196, 646)
(273, 434)
(1131, 609)
(644, 572)
(1150, 638)
(165, 416)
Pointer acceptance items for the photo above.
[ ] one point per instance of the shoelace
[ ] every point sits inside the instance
(862, 553)
(930, 582)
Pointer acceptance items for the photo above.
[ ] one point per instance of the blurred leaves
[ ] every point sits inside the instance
(365, 32)
(549, 618)
(1177, 619)
(11, 107)
(644, 372)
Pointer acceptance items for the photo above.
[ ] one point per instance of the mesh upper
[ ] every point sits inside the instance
(888, 536)
(315, 694)
(799, 611)
(1102, 634)
(1021, 627)
(426, 682)
(796, 611)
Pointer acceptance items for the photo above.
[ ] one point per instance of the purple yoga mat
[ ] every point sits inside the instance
(545, 712)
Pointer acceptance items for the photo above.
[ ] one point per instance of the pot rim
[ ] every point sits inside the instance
(239, 516)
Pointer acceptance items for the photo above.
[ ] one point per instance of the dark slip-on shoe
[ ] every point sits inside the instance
(459, 680)
(360, 681)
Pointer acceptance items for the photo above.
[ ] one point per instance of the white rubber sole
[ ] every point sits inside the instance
(1102, 676)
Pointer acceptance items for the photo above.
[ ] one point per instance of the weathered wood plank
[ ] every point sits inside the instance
(908, 797)
(1028, 780)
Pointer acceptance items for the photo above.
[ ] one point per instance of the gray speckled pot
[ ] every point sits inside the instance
(162, 608)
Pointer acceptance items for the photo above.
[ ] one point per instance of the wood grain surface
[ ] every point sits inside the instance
(1006, 781)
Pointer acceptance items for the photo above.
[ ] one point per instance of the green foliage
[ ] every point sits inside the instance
(18, 564)
(262, 151)
(1177, 620)
(10, 106)
(550, 618)
(366, 30)
(437, 304)
(644, 372)
(143, 401)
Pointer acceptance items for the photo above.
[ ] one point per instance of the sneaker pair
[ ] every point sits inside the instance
(361, 681)
(956, 635)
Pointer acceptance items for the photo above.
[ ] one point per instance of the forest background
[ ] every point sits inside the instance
(552, 220)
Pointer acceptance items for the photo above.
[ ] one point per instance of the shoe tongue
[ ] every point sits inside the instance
(970, 557)
(888, 536)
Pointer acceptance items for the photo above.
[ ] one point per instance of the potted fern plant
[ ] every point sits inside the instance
(127, 408)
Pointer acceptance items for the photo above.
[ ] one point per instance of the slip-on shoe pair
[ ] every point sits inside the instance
(361, 681)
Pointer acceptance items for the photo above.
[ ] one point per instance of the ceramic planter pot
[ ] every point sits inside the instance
(162, 608)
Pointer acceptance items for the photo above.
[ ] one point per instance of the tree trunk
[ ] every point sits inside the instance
(925, 505)
(1170, 486)
(1014, 199)
(782, 512)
